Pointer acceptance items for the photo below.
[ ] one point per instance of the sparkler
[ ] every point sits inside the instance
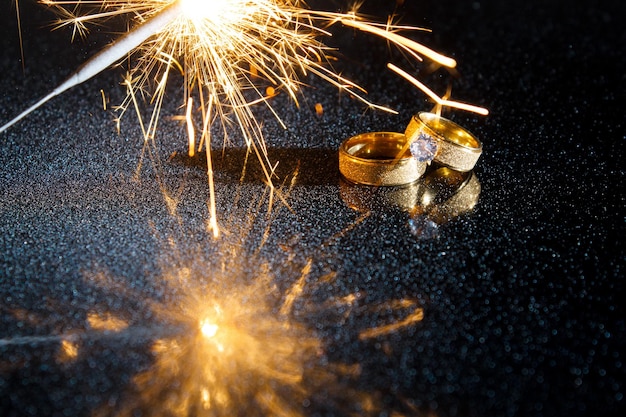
(220, 46)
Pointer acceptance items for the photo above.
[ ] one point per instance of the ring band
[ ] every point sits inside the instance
(435, 138)
(379, 158)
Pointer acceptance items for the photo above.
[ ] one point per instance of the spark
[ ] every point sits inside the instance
(104, 100)
(106, 322)
(191, 133)
(401, 41)
(19, 33)
(68, 351)
(440, 101)
(416, 315)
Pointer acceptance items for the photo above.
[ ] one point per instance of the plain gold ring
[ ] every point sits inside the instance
(379, 158)
(435, 138)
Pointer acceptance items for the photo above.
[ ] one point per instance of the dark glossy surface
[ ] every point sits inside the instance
(522, 297)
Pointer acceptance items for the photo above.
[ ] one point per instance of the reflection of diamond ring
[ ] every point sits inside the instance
(379, 158)
(447, 194)
(433, 137)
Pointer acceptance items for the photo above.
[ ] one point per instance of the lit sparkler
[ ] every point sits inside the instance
(220, 46)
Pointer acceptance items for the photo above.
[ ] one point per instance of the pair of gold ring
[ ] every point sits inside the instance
(389, 158)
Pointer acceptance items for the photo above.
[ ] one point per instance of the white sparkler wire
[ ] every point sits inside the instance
(107, 57)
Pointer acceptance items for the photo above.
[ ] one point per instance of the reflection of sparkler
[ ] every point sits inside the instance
(220, 46)
(226, 340)
(237, 354)
(245, 352)
(248, 347)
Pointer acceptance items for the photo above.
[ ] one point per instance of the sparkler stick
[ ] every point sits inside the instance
(106, 57)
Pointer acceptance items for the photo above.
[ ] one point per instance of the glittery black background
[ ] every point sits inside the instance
(522, 297)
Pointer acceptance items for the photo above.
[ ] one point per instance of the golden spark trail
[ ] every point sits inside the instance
(440, 101)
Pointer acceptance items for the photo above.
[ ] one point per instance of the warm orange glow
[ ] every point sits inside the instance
(241, 350)
(221, 47)
(106, 322)
(197, 10)
(208, 328)
(68, 351)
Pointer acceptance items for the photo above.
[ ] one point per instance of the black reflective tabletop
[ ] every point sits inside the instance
(493, 293)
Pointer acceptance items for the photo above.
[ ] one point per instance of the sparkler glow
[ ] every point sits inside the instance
(220, 46)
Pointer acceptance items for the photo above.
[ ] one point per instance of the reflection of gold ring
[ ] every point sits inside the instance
(364, 199)
(379, 158)
(433, 137)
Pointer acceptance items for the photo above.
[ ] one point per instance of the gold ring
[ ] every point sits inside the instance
(434, 138)
(379, 158)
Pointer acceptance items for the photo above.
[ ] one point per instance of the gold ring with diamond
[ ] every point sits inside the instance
(379, 158)
(434, 138)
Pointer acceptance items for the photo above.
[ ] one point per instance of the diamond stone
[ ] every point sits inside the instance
(424, 148)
